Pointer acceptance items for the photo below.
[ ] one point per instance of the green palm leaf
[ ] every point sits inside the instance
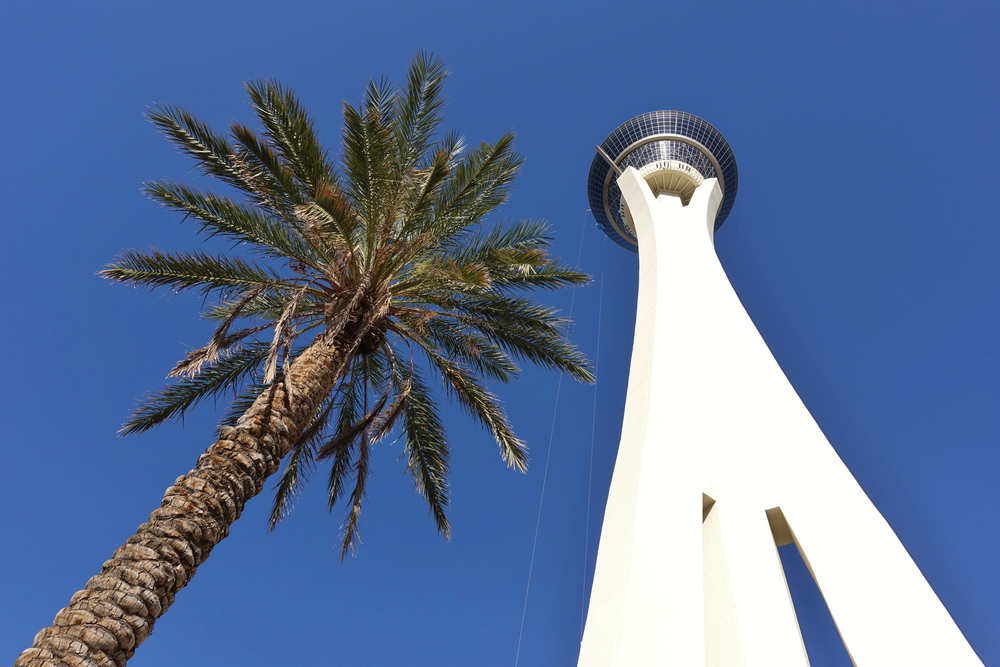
(224, 217)
(291, 131)
(427, 451)
(183, 271)
(173, 401)
(212, 152)
(482, 405)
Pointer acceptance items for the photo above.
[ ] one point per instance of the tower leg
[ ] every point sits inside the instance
(647, 600)
(723, 640)
(885, 610)
(762, 607)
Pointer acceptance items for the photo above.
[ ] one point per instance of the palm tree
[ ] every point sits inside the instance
(359, 282)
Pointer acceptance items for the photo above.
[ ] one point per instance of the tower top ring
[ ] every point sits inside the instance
(674, 138)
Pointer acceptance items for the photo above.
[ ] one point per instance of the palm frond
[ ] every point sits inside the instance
(347, 436)
(351, 537)
(293, 478)
(427, 451)
(336, 218)
(418, 113)
(515, 255)
(541, 349)
(497, 310)
(550, 275)
(332, 224)
(481, 182)
(501, 237)
(426, 181)
(210, 150)
(461, 343)
(173, 401)
(366, 155)
(385, 421)
(265, 168)
(339, 476)
(350, 411)
(221, 340)
(221, 216)
(290, 129)
(269, 306)
(222, 343)
(482, 405)
(183, 271)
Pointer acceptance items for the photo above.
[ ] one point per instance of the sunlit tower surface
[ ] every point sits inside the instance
(720, 462)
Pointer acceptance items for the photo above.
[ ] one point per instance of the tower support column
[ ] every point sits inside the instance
(650, 573)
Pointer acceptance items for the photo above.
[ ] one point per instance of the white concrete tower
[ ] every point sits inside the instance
(720, 462)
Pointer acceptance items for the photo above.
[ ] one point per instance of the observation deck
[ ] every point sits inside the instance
(675, 152)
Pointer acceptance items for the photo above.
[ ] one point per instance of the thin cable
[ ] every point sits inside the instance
(590, 473)
(548, 454)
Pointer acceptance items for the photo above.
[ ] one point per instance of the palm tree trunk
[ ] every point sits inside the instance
(107, 620)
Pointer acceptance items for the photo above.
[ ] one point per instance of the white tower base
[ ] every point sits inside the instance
(719, 462)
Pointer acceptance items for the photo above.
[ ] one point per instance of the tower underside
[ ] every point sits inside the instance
(719, 463)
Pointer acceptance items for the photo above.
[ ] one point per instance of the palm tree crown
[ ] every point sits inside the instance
(357, 280)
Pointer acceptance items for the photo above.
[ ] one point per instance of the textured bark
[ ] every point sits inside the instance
(107, 620)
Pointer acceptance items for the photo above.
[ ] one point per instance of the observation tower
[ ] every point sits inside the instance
(720, 462)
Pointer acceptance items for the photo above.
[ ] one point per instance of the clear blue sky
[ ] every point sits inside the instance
(864, 244)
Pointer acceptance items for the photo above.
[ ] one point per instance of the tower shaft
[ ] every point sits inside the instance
(719, 463)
